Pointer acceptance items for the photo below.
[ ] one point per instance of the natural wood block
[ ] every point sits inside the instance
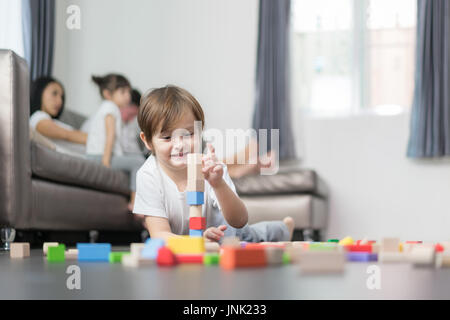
(392, 256)
(136, 249)
(274, 255)
(212, 247)
(422, 255)
(19, 250)
(130, 260)
(194, 163)
(48, 244)
(390, 245)
(231, 242)
(322, 262)
(294, 253)
(195, 211)
(195, 185)
(71, 254)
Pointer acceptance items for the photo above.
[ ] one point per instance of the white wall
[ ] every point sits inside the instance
(375, 190)
(207, 47)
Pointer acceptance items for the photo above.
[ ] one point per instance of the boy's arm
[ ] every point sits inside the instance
(158, 227)
(110, 127)
(233, 209)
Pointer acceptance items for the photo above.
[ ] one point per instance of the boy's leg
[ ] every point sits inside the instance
(265, 231)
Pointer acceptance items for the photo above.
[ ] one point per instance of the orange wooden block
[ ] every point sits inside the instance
(233, 257)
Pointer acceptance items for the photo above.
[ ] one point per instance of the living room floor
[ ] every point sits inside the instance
(35, 278)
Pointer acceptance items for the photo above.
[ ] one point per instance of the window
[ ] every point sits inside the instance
(11, 26)
(353, 54)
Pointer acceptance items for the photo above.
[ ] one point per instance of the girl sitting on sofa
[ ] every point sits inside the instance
(46, 106)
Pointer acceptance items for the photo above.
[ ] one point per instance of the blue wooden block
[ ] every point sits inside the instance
(195, 198)
(362, 256)
(151, 248)
(195, 233)
(93, 251)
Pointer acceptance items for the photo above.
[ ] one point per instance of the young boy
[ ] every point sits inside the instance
(162, 180)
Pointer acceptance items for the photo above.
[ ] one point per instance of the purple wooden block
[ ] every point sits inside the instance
(361, 256)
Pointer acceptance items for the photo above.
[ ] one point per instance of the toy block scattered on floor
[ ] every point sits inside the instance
(93, 252)
(210, 259)
(134, 261)
(194, 164)
(231, 242)
(189, 258)
(212, 247)
(286, 258)
(151, 247)
(195, 211)
(195, 198)
(233, 257)
(19, 250)
(56, 254)
(195, 233)
(361, 256)
(136, 249)
(166, 258)
(197, 223)
(195, 185)
(116, 257)
(392, 256)
(439, 247)
(322, 262)
(422, 255)
(71, 254)
(346, 241)
(442, 259)
(186, 245)
(359, 248)
(274, 255)
(323, 246)
(390, 245)
(48, 244)
(333, 240)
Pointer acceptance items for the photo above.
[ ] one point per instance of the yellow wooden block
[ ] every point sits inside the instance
(346, 241)
(186, 245)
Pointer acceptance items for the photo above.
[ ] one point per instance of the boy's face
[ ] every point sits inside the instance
(171, 148)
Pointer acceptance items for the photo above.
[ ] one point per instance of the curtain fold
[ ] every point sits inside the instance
(430, 115)
(272, 103)
(42, 37)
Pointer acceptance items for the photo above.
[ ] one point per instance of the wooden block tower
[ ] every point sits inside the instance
(195, 195)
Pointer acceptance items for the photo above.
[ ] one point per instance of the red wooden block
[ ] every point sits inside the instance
(197, 223)
(233, 257)
(359, 248)
(165, 257)
(438, 248)
(413, 242)
(190, 258)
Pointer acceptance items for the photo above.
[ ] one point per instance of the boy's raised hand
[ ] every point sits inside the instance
(214, 234)
(212, 168)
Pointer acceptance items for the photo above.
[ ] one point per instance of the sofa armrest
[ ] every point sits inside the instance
(15, 167)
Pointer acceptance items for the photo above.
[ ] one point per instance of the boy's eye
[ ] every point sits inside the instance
(166, 137)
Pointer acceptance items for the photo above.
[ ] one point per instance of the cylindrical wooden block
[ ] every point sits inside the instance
(195, 211)
(194, 162)
(196, 185)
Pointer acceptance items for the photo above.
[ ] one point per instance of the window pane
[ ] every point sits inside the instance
(390, 49)
(322, 49)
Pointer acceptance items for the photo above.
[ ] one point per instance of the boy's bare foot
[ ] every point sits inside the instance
(290, 224)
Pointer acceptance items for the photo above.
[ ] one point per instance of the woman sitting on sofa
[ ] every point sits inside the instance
(47, 104)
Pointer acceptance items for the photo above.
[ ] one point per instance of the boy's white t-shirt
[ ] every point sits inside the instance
(63, 146)
(97, 132)
(157, 195)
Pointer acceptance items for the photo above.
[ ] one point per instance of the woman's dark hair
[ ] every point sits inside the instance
(135, 97)
(37, 89)
(111, 82)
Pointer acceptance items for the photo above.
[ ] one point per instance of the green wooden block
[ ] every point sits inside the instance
(210, 259)
(333, 240)
(322, 246)
(56, 254)
(116, 257)
(286, 258)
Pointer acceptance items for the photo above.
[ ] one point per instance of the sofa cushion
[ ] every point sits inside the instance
(286, 181)
(55, 166)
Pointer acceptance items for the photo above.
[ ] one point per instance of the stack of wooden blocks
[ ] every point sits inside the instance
(195, 195)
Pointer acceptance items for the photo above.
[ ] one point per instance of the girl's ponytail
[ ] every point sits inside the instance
(110, 82)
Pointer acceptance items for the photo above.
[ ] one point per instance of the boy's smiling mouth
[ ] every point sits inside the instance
(179, 155)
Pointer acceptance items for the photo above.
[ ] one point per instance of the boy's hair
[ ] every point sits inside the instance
(111, 82)
(163, 107)
(37, 89)
(135, 97)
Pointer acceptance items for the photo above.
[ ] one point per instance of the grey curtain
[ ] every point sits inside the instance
(430, 115)
(42, 37)
(272, 105)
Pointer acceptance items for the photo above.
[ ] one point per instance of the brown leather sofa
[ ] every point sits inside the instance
(41, 189)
